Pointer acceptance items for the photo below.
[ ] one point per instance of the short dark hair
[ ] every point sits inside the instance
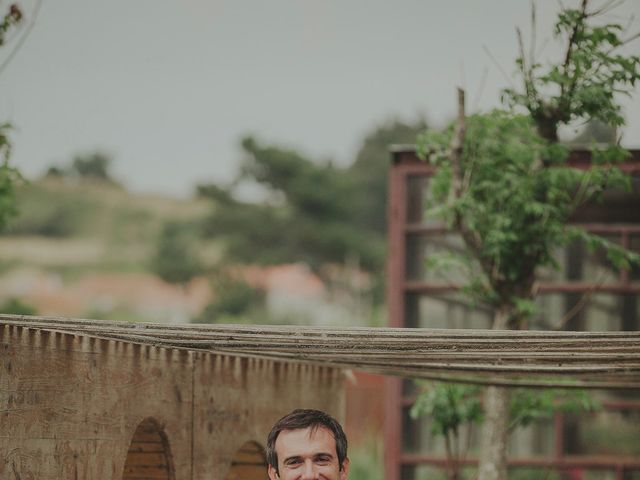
(305, 418)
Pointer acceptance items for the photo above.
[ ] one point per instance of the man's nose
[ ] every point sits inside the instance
(309, 472)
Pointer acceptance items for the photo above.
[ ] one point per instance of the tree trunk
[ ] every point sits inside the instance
(493, 443)
(493, 448)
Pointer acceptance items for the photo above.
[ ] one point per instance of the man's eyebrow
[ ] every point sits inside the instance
(316, 455)
(323, 454)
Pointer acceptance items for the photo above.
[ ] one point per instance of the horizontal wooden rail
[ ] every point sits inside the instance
(505, 357)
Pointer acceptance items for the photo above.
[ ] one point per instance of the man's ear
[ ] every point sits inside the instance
(344, 471)
(273, 475)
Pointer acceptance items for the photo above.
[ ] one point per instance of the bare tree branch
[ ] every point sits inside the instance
(606, 7)
(583, 302)
(527, 74)
(497, 64)
(532, 46)
(570, 49)
(457, 142)
(471, 238)
(630, 39)
(483, 82)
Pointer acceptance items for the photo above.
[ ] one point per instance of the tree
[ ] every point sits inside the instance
(9, 175)
(15, 306)
(87, 166)
(305, 219)
(92, 166)
(503, 183)
(235, 301)
(370, 171)
(453, 408)
(313, 213)
(175, 260)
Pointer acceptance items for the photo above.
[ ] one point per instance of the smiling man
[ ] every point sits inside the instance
(307, 445)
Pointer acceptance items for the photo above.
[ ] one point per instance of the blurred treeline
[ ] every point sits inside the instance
(332, 220)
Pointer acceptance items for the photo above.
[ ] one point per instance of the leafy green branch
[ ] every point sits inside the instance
(583, 85)
(454, 408)
(528, 406)
(504, 184)
(450, 407)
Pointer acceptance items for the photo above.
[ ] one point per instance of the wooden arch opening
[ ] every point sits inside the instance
(149, 455)
(249, 463)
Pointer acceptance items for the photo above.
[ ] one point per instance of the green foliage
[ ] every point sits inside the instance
(503, 183)
(619, 257)
(527, 405)
(516, 196)
(176, 259)
(42, 213)
(533, 474)
(93, 166)
(15, 306)
(311, 214)
(304, 185)
(449, 406)
(54, 207)
(9, 177)
(234, 299)
(370, 172)
(584, 84)
(366, 461)
(103, 228)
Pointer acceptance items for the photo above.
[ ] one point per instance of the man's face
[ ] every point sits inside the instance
(304, 454)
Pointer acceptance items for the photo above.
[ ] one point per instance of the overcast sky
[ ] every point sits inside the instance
(168, 87)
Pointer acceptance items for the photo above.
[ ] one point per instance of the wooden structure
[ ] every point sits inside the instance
(419, 298)
(83, 399)
(73, 406)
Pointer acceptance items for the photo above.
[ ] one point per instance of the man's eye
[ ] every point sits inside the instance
(323, 459)
(293, 463)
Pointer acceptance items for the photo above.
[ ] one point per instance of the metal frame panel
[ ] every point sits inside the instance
(406, 165)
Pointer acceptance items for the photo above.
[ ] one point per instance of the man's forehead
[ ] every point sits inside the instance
(317, 436)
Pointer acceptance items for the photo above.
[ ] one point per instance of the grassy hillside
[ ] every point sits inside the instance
(79, 226)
